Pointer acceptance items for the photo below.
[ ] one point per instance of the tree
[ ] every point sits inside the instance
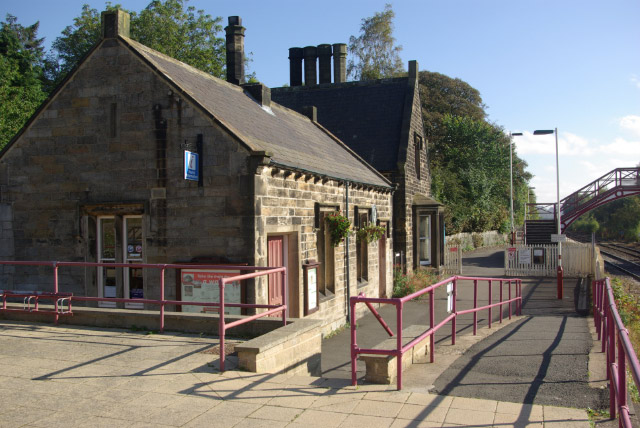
(374, 54)
(21, 59)
(187, 35)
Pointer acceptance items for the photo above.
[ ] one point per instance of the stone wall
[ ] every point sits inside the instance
(111, 140)
(285, 205)
(469, 241)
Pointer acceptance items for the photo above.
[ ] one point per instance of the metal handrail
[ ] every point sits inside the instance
(609, 326)
(59, 297)
(399, 302)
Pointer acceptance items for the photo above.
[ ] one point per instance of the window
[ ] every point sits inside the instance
(417, 143)
(424, 239)
(326, 253)
(362, 247)
(130, 281)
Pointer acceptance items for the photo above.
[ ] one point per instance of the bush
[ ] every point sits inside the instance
(404, 285)
(478, 240)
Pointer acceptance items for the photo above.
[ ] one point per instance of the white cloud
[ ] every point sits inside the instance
(568, 144)
(631, 123)
(620, 146)
(635, 80)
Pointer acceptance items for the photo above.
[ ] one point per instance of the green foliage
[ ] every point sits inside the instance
(370, 233)
(404, 285)
(187, 35)
(619, 220)
(374, 54)
(470, 174)
(21, 59)
(339, 227)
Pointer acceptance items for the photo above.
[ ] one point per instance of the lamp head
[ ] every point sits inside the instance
(543, 132)
(516, 134)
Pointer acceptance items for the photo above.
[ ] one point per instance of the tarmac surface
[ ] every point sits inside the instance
(54, 376)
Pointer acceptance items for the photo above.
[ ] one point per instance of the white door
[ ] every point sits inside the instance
(133, 253)
(106, 254)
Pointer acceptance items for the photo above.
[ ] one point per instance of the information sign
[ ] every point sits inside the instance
(524, 256)
(202, 285)
(191, 166)
(558, 237)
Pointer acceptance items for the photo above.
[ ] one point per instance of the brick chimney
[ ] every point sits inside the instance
(114, 23)
(339, 62)
(235, 50)
(324, 60)
(259, 92)
(310, 55)
(295, 66)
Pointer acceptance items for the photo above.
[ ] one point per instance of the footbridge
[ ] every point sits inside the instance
(616, 184)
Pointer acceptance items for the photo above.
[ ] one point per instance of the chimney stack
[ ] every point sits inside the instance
(413, 69)
(235, 50)
(310, 55)
(115, 23)
(259, 92)
(295, 66)
(339, 62)
(324, 60)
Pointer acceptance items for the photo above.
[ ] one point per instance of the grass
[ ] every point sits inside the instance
(404, 285)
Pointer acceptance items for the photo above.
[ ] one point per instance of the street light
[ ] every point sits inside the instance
(512, 134)
(560, 272)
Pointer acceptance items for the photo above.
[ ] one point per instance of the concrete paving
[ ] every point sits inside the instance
(88, 377)
(73, 377)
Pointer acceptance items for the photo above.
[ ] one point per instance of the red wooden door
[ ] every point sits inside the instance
(275, 258)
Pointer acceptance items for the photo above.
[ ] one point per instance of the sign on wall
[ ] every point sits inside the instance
(191, 166)
(202, 285)
(524, 256)
(310, 286)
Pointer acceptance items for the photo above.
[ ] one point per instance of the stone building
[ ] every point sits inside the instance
(137, 157)
(381, 120)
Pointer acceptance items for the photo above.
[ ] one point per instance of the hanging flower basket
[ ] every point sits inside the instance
(339, 227)
(370, 233)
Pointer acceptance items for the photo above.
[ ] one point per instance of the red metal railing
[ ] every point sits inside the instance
(60, 297)
(609, 326)
(401, 349)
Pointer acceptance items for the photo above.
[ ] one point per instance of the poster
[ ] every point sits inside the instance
(312, 288)
(524, 256)
(202, 285)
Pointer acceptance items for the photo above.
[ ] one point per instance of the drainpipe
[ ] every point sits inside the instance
(346, 252)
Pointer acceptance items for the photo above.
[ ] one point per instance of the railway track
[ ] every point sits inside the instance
(617, 256)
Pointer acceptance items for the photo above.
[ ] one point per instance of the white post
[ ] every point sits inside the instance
(558, 195)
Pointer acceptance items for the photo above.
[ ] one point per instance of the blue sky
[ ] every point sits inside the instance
(538, 64)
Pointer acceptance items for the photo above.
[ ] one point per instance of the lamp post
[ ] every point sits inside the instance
(558, 215)
(512, 134)
(526, 212)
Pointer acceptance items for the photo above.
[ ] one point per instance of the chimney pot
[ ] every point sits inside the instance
(340, 62)
(310, 55)
(295, 66)
(115, 23)
(235, 50)
(324, 60)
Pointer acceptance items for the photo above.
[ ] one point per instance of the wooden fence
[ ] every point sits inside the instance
(542, 260)
(452, 260)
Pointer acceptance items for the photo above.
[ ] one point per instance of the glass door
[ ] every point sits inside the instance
(107, 284)
(133, 253)
(424, 236)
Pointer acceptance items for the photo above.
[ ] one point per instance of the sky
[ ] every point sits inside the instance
(538, 64)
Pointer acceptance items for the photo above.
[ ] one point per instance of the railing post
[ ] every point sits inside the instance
(611, 360)
(352, 303)
(454, 308)
(221, 327)
(622, 376)
(162, 298)
(284, 297)
(490, 312)
(510, 296)
(399, 308)
(432, 341)
(605, 330)
(55, 290)
(500, 307)
(475, 306)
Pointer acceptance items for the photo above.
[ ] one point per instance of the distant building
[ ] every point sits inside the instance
(381, 120)
(137, 157)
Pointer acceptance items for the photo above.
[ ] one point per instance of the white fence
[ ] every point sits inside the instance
(452, 260)
(542, 260)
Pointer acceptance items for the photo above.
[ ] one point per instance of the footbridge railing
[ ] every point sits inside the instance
(511, 296)
(616, 184)
(62, 301)
(618, 347)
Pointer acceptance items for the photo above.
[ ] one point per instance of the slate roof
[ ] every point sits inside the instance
(367, 116)
(292, 139)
